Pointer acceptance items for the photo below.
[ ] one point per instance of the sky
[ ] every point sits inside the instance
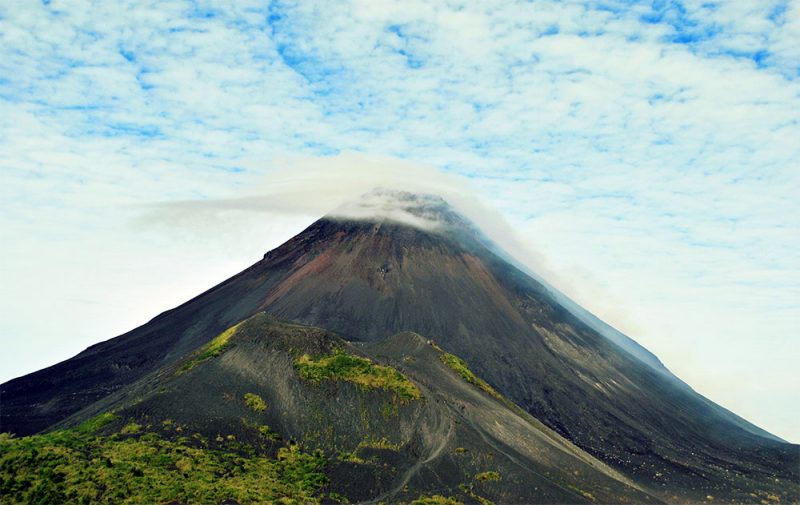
(646, 156)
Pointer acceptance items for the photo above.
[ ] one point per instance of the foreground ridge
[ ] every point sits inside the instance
(383, 445)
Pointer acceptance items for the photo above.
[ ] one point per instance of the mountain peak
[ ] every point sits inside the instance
(422, 210)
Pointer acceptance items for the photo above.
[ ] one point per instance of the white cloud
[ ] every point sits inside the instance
(647, 150)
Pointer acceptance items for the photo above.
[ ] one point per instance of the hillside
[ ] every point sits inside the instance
(557, 381)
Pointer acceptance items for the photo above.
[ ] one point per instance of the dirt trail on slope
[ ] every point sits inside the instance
(437, 429)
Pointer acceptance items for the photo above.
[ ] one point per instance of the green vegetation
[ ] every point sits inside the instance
(336, 497)
(78, 466)
(95, 423)
(461, 368)
(382, 443)
(266, 432)
(357, 455)
(302, 469)
(350, 457)
(131, 429)
(358, 370)
(484, 476)
(471, 492)
(210, 350)
(255, 402)
(436, 500)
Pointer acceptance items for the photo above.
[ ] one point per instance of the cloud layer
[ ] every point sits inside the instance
(648, 151)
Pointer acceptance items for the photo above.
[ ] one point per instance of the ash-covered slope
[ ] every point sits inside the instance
(397, 422)
(422, 267)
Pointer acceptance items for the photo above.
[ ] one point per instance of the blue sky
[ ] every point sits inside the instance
(646, 153)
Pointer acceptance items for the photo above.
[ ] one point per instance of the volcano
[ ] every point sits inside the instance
(422, 361)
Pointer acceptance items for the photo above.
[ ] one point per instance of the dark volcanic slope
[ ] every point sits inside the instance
(369, 280)
(381, 448)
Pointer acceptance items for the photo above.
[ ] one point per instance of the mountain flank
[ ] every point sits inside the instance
(415, 356)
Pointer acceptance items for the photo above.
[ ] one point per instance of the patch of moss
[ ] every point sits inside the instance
(131, 428)
(490, 475)
(77, 466)
(97, 422)
(382, 443)
(471, 492)
(266, 432)
(210, 350)
(350, 457)
(302, 468)
(200, 439)
(461, 368)
(337, 498)
(358, 370)
(436, 500)
(255, 402)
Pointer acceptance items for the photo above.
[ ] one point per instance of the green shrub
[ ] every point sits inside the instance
(351, 457)
(358, 370)
(255, 402)
(337, 498)
(490, 475)
(77, 466)
(266, 432)
(210, 350)
(131, 429)
(381, 443)
(301, 468)
(461, 368)
(436, 500)
(97, 422)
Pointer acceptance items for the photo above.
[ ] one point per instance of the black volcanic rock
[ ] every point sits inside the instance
(423, 268)
(383, 448)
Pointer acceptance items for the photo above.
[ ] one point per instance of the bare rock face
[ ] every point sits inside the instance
(421, 267)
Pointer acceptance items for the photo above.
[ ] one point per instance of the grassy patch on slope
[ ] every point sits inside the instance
(95, 423)
(361, 371)
(210, 350)
(436, 500)
(490, 475)
(78, 466)
(461, 368)
(254, 402)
